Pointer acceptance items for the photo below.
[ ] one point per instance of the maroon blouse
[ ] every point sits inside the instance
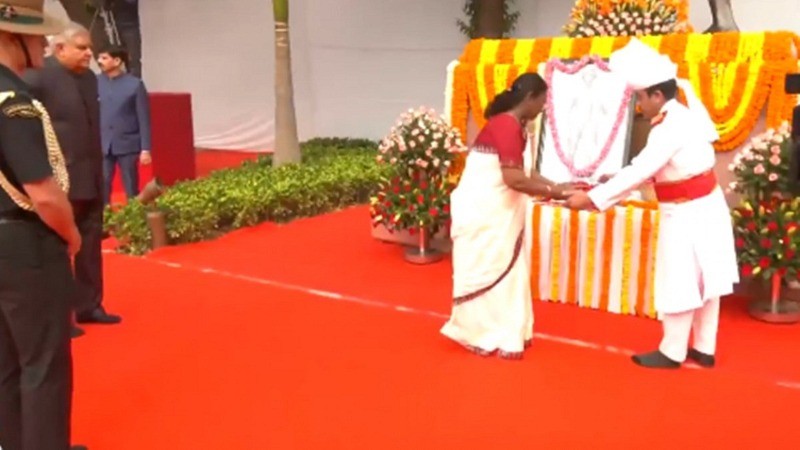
(504, 136)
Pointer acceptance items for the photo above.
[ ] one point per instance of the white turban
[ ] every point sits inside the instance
(641, 67)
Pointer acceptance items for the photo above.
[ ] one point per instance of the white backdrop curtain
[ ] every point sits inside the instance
(357, 63)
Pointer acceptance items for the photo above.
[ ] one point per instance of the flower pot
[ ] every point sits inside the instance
(423, 252)
(775, 309)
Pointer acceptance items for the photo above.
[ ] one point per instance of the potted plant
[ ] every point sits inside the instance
(766, 223)
(420, 149)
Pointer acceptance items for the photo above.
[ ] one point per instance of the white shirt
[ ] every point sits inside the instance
(675, 150)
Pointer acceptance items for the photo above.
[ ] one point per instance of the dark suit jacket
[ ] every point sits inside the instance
(124, 115)
(72, 102)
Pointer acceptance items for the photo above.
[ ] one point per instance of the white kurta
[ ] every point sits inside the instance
(696, 256)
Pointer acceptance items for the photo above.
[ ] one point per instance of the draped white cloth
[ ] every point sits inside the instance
(492, 308)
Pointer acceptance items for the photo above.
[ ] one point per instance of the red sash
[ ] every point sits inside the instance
(687, 190)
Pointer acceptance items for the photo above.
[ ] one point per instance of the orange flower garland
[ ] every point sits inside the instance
(762, 61)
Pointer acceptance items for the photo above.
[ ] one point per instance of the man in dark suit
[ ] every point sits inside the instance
(68, 89)
(124, 121)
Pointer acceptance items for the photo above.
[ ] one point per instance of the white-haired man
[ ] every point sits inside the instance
(68, 89)
(696, 257)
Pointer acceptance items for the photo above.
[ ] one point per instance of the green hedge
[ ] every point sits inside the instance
(335, 173)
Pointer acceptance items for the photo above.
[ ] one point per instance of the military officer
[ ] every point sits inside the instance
(38, 237)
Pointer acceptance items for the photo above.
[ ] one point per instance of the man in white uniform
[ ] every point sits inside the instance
(696, 257)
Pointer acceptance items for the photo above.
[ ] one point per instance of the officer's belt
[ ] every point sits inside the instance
(18, 216)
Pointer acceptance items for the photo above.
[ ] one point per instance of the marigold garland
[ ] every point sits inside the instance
(608, 245)
(561, 242)
(641, 279)
(651, 301)
(626, 261)
(555, 264)
(572, 277)
(723, 67)
(536, 252)
(591, 237)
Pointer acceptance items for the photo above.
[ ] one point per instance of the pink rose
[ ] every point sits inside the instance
(776, 150)
(773, 177)
(775, 160)
(759, 169)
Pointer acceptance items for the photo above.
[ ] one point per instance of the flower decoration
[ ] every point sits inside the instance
(571, 69)
(423, 151)
(767, 238)
(762, 167)
(766, 224)
(591, 18)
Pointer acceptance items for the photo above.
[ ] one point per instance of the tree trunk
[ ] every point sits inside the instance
(489, 23)
(287, 145)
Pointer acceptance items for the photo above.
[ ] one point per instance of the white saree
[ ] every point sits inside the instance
(492, 309)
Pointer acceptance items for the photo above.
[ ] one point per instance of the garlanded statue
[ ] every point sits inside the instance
(721, 16)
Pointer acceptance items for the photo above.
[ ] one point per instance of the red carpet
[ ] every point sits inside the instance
(227, 348)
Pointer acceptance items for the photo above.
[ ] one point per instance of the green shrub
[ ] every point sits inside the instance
(335, 173)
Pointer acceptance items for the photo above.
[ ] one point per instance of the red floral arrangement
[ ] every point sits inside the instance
(766, 223)
(767, 238)
(421, 149)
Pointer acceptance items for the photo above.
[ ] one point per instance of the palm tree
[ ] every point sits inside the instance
(287, 145)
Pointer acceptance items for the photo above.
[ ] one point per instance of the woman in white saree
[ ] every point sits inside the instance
(492, 307)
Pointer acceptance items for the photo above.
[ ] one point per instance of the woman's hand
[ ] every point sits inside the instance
(563, 191)
(564, 186)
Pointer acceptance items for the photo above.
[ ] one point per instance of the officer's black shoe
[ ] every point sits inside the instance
(702, 359)
(76, 332)
(655, 360)
(99, 316)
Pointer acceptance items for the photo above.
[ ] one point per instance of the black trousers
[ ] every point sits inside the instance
(35, 354)
(129, 169)
(89, 260)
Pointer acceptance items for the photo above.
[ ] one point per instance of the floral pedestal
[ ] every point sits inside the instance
(772, 308)
(440, 241)
(423, 252)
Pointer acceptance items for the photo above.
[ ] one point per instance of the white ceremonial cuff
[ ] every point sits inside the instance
(599, 196)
